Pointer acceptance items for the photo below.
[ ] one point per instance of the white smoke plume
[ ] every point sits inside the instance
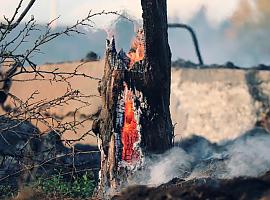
(196, 157)
(249, 157)
(242, 38)
(168, 165)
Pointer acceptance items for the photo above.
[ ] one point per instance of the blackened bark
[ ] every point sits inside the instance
(146, 85)
(156, 125)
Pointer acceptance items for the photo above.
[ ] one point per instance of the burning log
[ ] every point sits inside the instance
(135, 118)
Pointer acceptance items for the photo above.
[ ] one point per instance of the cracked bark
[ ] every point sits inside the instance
(149, 82)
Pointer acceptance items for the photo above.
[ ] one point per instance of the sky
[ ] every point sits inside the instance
(71, 10)
(227, 30)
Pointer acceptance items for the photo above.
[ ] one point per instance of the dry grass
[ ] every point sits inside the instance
(52, 89)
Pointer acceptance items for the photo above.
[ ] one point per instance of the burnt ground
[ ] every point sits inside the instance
(206, 188)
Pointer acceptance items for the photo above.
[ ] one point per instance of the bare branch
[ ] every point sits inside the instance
(11, 25)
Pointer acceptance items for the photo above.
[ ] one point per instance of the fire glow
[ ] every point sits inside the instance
(130, 134)
(127, 124)
(136, 52)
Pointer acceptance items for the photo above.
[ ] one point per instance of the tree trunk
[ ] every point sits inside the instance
(156, 122)
(135, 118)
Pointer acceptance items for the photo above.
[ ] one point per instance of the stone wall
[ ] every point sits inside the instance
(218, 103)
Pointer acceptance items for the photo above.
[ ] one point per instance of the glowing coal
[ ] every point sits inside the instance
(130, 133)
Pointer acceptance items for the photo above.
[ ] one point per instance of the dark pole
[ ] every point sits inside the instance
(194, 38)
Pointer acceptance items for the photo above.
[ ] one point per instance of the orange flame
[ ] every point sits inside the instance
(130, 133)
(136, 52)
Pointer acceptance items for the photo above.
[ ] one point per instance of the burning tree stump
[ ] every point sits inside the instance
(135, 118)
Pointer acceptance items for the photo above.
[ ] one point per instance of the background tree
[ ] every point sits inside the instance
(91, 56)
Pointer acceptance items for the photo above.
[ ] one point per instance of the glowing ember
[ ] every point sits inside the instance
(130, 133)
(136, 52)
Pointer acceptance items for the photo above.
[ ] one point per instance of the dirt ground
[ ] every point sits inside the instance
(50, 90)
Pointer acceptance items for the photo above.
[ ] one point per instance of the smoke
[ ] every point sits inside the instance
(241, 34)
(249, 157)
(216, 11)
(242, 38)
(165, 168)
(53, 14)
(252, 12)
(250, 30)
(196, 157)
(123, 28)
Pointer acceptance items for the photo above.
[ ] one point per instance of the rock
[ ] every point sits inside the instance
(65, 158)
(19, 139)
(21, 144)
